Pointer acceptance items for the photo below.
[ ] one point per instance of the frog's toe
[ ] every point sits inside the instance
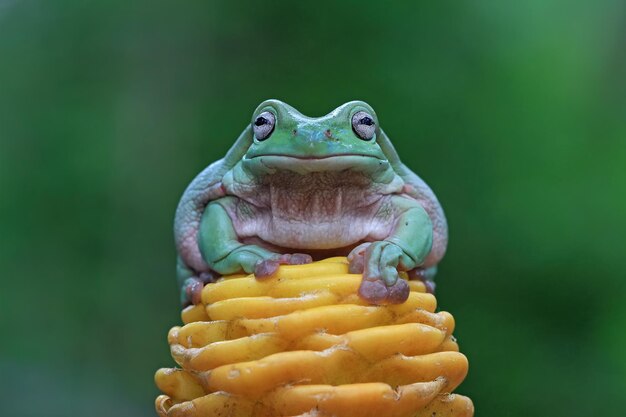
(298, 259)
(266, 268)
(356, 264)
(192, 291)
(356, 259)
(398, 292)
(373, 291)
(376, 292)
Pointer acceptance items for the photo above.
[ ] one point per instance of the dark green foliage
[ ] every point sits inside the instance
(513, 112)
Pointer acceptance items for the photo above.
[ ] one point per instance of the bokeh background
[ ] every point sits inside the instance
(514, 113)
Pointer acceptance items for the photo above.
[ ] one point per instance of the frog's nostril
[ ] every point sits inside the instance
(328, 134)
(295, 132)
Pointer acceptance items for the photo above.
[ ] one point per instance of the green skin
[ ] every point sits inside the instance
(313, 186)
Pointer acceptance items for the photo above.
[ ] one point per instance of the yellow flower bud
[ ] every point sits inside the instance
(302, 343)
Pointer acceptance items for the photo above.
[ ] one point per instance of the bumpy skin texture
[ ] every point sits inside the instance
(312, 188)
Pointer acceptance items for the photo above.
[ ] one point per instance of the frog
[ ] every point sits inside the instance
(294, 189)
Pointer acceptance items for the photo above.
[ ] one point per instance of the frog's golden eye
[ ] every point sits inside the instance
(263, 125)
(363, 125)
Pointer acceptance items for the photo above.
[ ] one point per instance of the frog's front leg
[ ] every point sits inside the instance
(220, 246)
(404, 249)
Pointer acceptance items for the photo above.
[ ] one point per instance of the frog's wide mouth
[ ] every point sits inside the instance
(311, 163)
(313, 157)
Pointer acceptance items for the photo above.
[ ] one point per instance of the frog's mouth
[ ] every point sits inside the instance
(270, 163)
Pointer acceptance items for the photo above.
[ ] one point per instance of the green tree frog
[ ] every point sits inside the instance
(293, 189)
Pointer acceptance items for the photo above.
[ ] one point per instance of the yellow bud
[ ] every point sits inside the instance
(303, 344)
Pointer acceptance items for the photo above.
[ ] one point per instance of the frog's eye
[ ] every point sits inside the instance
(363, 125)
(263, 125)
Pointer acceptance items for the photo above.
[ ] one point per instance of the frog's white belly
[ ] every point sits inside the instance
(321, 211)
(310, 235)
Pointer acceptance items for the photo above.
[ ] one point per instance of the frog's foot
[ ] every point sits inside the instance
(192, 287)
(375, 291)
(268, 267)
(380, 263)
(426, 276)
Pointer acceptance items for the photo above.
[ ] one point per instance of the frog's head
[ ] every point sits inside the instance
(285, 139)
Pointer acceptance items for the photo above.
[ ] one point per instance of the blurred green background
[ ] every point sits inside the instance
(514, 113)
